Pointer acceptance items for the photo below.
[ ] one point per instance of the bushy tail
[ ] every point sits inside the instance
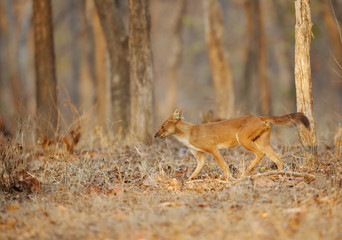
(292, 118)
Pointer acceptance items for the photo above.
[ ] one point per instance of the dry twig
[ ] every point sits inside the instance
(270, 173)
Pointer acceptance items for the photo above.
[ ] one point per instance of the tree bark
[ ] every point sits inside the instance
(17, 98)
(140, 55)
(103, 84)
(4, 93)
(220, 65)
(24, 58)
(256, 85)
(86, 83)
(285, 87)
(46, 84)
(265, 95)
(333, 29)
(303, 79)
(249, 81)
(335, 38)
(174, 61)
(117, 44)
(76, 57)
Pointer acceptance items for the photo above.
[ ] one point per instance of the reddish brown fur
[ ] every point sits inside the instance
(252, 132)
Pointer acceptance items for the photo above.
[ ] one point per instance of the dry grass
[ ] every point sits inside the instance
(139, 192)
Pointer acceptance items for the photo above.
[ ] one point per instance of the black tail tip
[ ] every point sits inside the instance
(304, 119)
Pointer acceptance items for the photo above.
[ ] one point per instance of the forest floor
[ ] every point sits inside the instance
(140, 192)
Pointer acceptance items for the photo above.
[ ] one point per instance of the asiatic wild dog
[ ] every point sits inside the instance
(252, 132)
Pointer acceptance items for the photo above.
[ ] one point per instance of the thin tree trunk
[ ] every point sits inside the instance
(256, 85)
(265, 95)
(4, 96)
(76, 57)
(45, 69)
(303, 78)
(285, 87)
(23, 60)
(117, 44)
(333, 29)
(335, 37)
(174, 62)
(140, 55)
(86, 69)
(103, 85)
(12, 59)
(220, 65)
(249, 77)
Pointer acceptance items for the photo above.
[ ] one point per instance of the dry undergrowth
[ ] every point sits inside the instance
(139, 192)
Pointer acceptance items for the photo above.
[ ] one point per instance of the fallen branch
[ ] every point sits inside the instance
(295, 174)
(292, 174)
(234, 181)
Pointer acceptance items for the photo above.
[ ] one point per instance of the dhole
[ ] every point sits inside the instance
(252, 132)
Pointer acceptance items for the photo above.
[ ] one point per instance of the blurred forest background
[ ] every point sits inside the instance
(181, 69)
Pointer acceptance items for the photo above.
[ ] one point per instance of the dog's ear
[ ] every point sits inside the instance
(177, 114)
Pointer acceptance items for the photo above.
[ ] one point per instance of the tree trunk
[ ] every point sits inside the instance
(86, 81)
(117, 44)
(285, 87)
(249, 81)
(46, 84)
(303, 79)
(335, 39)
(220, 65)
(17, 98)
(333, 29)
(140, 55)
(265, 95)
(103, 84)
(256, 85)
(4, 93)
(24, 58)
(75, 53)
(174, 61)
